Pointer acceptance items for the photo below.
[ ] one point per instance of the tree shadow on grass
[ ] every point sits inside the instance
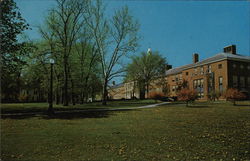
(67, 115)
(18, 116)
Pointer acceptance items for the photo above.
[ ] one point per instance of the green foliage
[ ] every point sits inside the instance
(13, 52)
(214, 95)
(182, 84)
(12, 25)
(114, 36)
(145, 68)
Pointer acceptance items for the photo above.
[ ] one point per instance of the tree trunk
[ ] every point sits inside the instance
(147, 90)
(65, 98)
(57, 95)
(104, 93)
(142, 89)
(82, 97)
(72, 92)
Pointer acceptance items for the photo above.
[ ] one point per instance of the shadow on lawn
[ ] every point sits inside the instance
(65, 114)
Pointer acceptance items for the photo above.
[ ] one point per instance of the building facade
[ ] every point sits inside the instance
(215, 74)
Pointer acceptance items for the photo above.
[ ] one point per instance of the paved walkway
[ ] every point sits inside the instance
(92, 110)
(140, 107)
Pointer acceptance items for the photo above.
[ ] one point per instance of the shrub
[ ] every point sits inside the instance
(156, 95)
(234, 95)
(214, 95)
(187, 95)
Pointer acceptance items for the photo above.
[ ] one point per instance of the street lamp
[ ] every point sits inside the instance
(50, 109)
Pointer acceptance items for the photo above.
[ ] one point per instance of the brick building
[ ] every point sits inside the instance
(224, 70)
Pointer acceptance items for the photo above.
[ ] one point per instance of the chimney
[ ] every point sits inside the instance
(168, 67)
(195, 57)
(230, 49)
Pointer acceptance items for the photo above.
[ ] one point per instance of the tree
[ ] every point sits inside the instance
(145, 68)
(114, 39)
(234, 95)
(65, 23)
(12, 51)
(187, 95)
(88, 65)
(182, 84)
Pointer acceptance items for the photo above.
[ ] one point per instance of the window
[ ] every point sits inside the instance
(235, 81)
(195, 71)
(241, 66)
(209, 69)
(220, 84)
(199, 87)
(242, 81)
(199, 82)
(186, 73)
(219, 66)
(180, 76)
(173, 79)
(248, 67)
(173, 88)
(176, 78)
(195, 83)
(202, 70)
(202, 83)
(234, 65)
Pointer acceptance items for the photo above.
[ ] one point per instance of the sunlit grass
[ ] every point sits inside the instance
(204, 131)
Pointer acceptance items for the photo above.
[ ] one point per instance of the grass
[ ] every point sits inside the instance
(42, 107)
(203, 131)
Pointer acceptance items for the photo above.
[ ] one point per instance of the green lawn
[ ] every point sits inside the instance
(204, 131)
(42, 107)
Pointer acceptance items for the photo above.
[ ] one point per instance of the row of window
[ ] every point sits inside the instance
(199, 87)
(242, 66)
(241, 81)
(178, 77)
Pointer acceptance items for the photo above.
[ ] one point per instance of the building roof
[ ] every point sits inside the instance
(215, 58)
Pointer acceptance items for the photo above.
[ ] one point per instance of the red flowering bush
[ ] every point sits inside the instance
(187, 95)
(234, 95)
(156, 95)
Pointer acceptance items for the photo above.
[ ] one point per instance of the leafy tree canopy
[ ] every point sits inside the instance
(11, 25)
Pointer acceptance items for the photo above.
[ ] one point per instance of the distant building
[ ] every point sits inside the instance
(217, 73)
(116, 91)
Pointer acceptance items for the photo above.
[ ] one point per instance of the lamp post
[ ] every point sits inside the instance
(50, 109)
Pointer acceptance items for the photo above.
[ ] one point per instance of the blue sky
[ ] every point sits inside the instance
(176, 29)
